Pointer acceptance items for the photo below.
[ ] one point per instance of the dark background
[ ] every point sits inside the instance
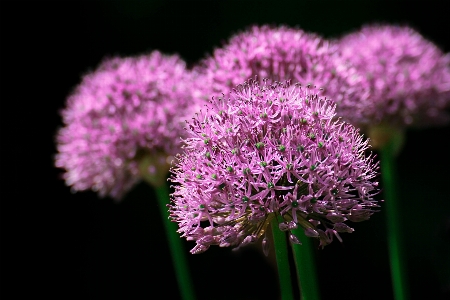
(76, 246)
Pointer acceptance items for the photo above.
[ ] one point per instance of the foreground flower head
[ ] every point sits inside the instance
(403, 78)
(278, 53)
(270, 152)
(126, 114)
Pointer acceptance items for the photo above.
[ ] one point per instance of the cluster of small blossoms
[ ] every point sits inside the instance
(403, 79)
(270, 152)
(126, 110)
(277, 53)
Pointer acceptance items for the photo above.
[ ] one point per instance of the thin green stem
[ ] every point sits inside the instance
(395, 244)
(176, 247)
(281, 255)
(306, 269)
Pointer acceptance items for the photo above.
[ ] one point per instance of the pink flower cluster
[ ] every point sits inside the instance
(126, 109)
(277, 53)
(270, 152)
(403, 79)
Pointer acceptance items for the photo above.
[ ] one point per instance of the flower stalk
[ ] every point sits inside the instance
(282, 259)
(175, 245)
(305, 267)
(395, 241)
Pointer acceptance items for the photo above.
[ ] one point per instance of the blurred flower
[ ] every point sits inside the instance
(403, 79)
(270, 152)
(278, 53)
(123, 121)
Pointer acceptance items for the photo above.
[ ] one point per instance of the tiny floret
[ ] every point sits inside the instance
(318, 188)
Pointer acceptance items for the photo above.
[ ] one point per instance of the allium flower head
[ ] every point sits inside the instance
(127, 112)
(270, 152)
(404, 79)
(278, 53)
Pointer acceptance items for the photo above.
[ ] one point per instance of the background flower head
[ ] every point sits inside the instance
(403, 79)
(266, 152)
(127, 111)
(274, 52)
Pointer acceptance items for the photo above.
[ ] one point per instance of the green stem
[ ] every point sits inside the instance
(395, 244)
(281, 255)
(306, 270)
(176, 247)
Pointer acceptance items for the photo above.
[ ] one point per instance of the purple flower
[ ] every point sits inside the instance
(270, 152)
(123, 121)
(402, 79)
(278, 53)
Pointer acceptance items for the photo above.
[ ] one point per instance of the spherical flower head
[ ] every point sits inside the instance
(278, 53)
(127, 114)
(403, 79)
(270, 152)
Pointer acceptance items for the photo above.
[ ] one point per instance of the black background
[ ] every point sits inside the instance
(76, 246)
